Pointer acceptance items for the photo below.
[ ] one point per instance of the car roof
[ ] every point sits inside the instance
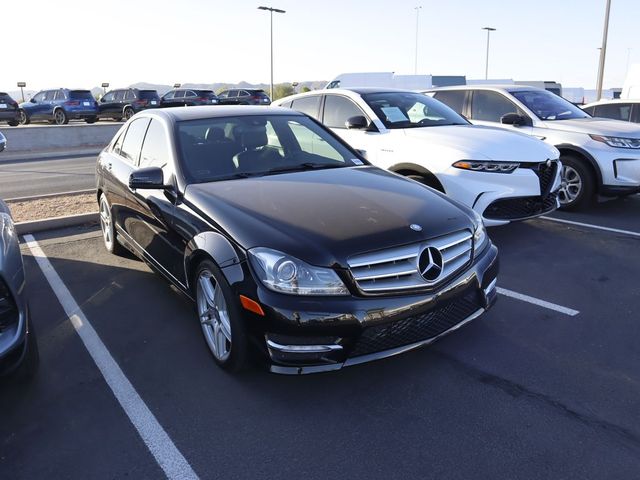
(179, 114)
(507, 87)
(607, 101)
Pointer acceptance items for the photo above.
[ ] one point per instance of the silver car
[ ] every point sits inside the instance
(18, 347)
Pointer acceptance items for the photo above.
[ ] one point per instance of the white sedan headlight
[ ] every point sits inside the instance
(286, 274)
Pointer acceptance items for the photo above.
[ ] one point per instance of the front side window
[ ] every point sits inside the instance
(120, 95)
(548, 106)
(338, 109)
(169, 96)
(179, 94)
(223, 94)
(133, 139)
(616, 111)
(38, 97)
(234, 147)
(491, 106)
(109, 97)
(155, 150)
(411, 110)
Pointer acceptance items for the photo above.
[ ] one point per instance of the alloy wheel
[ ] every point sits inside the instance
(59, 117)
(571, 185)
(106, 224)
(214, 315)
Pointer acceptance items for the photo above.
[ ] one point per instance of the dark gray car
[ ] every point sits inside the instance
(18, 347)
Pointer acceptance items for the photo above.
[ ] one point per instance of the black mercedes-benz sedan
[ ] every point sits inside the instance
(288, 241)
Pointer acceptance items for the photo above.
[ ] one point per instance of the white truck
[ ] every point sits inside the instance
(381, 79)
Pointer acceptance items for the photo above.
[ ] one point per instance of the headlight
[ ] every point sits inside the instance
(617, 142)
(282, 273)
(6, 224)
(479, 235)
(484, 166)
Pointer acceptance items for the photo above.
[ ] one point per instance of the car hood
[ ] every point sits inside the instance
(477, 142)
(598, 126)
(325, 216)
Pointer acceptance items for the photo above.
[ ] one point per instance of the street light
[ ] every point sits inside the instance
(271, 10)
(486, 67)
(22, 85)
(105, 85)
(603, 52)
(417, 9)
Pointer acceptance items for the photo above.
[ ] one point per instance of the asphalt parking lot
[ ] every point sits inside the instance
(526, 391)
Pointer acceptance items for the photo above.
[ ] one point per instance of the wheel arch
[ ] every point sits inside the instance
(213, 246)
(406, 169)
(567, 149)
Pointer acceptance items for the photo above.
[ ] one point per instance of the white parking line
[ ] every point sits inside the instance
(536, 301)
(166, 454)
(589, 225)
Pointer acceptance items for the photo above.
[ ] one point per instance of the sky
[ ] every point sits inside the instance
(82, 43)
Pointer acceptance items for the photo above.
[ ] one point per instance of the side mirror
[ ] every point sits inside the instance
(357, 123)
(147, 178)
(102, 100)
(513, 119)
(33, 100)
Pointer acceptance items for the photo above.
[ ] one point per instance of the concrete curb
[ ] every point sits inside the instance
(22, 228)
(51, 155)
(50, 195)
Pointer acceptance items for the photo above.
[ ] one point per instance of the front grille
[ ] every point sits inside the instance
(397, 268)
(417, 328)
(520, 207)
(546, 174)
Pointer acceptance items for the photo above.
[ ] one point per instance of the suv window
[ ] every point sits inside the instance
(109, 97)
(616, 111)
(309, 105)
(49, 95)
(223, 94)
(491, 106)
(129, 95)
(60, 95)
(233, 93)
(38, 97)
(133, 139)
(156, 147)
(190, 94)
(119, 95)
(337, 110)
(453, 99)
(179, 94)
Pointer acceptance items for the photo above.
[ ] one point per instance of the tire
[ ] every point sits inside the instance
(91, 120)
(24, 118)
(60, 117)
(578, 185)
(425, 181)
(220, 318)
(13, 123)
(29, 366)
(108, 229)
(128, 113)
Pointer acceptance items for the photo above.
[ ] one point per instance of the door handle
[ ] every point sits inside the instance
(109, 166)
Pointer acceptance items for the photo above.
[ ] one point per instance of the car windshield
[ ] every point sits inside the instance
(409, 110)
(548, 106)
(237, 147)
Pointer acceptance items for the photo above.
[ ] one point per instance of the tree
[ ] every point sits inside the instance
(282, 90)
(305, 89)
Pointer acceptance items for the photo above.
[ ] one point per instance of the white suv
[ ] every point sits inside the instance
(503, 176)
(598, 155)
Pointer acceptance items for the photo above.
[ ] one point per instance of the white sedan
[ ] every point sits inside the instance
(503, 176)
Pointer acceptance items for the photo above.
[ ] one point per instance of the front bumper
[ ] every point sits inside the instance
(306, 335)
(620, 167)
(14, 342)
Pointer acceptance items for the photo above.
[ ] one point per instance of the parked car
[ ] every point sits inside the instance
(59, 106)
(188, 97)
(126, 102)
(244, 96)
(18, 346)
(317, 260)
(599, 156)
(3, 142)
(9, 110)
(615, 109)
(502, 176)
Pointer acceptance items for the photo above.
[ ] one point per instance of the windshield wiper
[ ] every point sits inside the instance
(303, 166)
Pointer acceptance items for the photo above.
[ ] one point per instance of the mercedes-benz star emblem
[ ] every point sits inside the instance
(430, 264)
(415, 227)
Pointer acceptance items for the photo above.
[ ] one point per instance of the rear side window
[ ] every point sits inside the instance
(49, 95)
(133, 139)
(155, 151)
(452, 99)
(616, 111)
(309, 105)
(80, 95)
(337, 110)
(60, 95)
(190, 94)
(129, 95)
(491, 106)
(119, 95)
(179, 94)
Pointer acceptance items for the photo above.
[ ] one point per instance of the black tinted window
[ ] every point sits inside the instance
(155, 151)
(119, 95)
(133, 139)
(337, 110)
(179, 94)
(148, 94)
(491, 106)
(80, 95)
(109, 97)
(452, 99)
(616, 111)
(190, 93)
(129, 95)
(308, 105)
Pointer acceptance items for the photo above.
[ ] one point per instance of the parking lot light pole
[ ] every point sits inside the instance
(271, 10)
(22, 85)
(603, 52)
(486, 67)
(417, 9)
